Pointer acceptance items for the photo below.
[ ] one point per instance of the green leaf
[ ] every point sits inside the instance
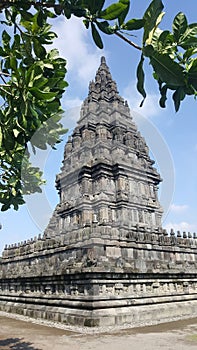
(13, 63)
(113, 11)
(48, 38)
(189, 52)
(123, 15)
(27, 16)
(105, 27)
(193, 67)
(165, 37)
(54, 106)
(13, 191)
(39, 50)
(79, 12)
(189, 36)
(52, 54)
(155, 40)
(40, 82)
(151, 16)
(49, 14)
(86, 23)
(163, 92)
(58, 10)
(2, 52)
(178, 96)
(17, 42)
(192, 29)
(134, 24)
(5, 37)
(35, 71)
(99, 4)
(191, 42)
(148, 50)
(16, 132)
(95, 5)
(42, 95)
(140, 79)
(8, 140)
(22, 122)
(40, 18)
(26, 5)
(96, 36)
(154, 32)
(179, 26)
(5, 207)
(192, 74)
(168, 71)
(8, 15)
(67, 12)
(48, 65)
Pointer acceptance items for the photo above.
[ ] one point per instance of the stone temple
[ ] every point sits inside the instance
(104, 258)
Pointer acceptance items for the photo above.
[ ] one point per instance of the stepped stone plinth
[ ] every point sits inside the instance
(104, 258)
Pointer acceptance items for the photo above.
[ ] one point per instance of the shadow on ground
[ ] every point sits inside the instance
(16, 344)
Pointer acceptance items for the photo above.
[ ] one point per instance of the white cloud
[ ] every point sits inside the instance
(72, 113)
(70, 103)
(178, 208)
(74, 43)
(150, 107)
(181, 226)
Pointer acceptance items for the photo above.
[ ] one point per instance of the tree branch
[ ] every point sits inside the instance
(6, 74)
(3, 78)
(4, 86)
(128, 41)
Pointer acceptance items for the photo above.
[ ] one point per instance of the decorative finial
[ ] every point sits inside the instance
(103, 60)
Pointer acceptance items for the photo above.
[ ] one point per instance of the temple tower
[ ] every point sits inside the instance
(107, 176)
(104, 258)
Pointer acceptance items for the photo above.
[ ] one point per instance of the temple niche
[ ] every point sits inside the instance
(104, 258)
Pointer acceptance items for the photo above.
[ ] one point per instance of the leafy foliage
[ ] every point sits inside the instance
(171, 54)
(33, 78)
(33, 84)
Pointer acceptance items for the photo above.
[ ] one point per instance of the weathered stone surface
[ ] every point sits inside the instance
(104, 257)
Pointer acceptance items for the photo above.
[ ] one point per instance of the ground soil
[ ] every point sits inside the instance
(23, 335)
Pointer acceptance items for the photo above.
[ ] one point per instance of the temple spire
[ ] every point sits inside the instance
(103, 87)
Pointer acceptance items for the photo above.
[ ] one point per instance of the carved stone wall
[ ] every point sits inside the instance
(99, 248)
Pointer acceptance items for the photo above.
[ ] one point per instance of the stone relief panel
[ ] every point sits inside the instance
(130, 289)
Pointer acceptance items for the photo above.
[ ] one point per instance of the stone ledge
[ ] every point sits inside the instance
(133, 316)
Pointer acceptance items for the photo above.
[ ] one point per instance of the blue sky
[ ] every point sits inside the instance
(172, 137)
